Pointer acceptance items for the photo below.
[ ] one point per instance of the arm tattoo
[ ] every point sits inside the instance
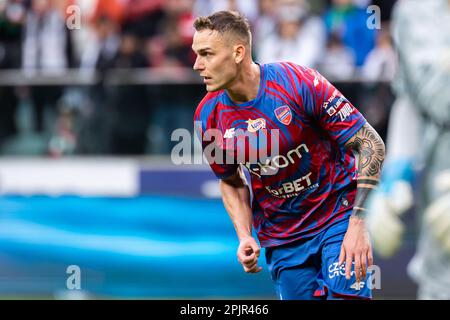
(370, 150)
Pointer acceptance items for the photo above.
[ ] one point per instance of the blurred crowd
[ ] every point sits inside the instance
(42, 35)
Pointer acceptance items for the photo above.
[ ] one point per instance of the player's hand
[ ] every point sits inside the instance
(356, 248)
(248, 254)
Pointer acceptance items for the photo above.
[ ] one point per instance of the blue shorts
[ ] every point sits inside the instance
(308, 269)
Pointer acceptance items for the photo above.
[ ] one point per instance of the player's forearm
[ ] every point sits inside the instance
(236, 198)
(371, 152)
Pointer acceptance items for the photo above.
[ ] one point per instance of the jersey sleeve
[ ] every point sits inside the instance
(329, 108)
(211, 141)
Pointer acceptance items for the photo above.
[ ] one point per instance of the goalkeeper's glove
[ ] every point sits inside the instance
(386, 206)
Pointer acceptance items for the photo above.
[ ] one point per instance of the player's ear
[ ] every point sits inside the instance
(239, 53)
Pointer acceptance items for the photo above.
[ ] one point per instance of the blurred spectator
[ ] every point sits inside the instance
(46, 41)
(265, 24)
(128, 104)
(349, 22)
(102, 46)
(46, 48)
(339, 61)
(12, 16)
(129, 56)
(182, 12)
(100, 49)
(299, 38)
(168, 50)
(142, 17)
(81, 37)
(172, 45)
(381, 63)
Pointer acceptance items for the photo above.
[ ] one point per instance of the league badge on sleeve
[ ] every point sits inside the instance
(284, 114)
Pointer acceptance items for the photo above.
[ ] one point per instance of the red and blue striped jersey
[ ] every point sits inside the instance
(305, 179)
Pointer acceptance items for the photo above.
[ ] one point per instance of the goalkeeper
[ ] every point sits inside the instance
(419, 146)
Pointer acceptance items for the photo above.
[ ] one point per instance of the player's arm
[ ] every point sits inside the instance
(370, 151)
(236, 198)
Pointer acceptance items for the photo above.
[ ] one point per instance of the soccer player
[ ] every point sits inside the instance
(308, 200)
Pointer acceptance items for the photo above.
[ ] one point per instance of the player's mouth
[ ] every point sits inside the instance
(206, 79)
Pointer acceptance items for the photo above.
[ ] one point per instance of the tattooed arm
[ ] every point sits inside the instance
(356, 247)
(369, 147)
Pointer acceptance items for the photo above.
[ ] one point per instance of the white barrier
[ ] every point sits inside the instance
(75, 176)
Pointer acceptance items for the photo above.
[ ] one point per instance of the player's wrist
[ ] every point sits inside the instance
(245, 235)
(357, 219)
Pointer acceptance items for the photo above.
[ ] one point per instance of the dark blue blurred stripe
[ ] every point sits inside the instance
(174, 182)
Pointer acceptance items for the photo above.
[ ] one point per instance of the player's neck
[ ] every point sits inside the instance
(246, 85)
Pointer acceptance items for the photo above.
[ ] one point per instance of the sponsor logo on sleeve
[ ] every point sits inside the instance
(335, 109)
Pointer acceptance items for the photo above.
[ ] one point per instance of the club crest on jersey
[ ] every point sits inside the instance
(283, 114)
(255, 125)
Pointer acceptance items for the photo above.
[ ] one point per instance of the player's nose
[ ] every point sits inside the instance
(198, 65)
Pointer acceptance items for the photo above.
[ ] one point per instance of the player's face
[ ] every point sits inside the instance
(215, 59)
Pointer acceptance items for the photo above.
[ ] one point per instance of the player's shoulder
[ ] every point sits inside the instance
(207, 104)
(286, 70)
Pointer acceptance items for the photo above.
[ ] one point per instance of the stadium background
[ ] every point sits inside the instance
(86, 118)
